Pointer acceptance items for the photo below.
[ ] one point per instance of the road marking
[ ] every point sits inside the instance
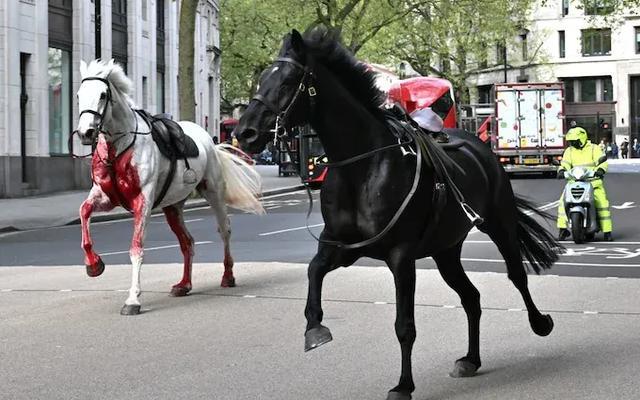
(380, 302)
(590, 312)
(171, 246)
(625, 205)
(289, 230)
(570, 264)
(6, 290)
(65, 290)
(448, 306)
(514, 309)
(249, 296)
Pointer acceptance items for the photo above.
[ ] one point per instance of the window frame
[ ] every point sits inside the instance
(590, 38)
(562, 44)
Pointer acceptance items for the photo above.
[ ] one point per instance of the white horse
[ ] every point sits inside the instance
(128, 170)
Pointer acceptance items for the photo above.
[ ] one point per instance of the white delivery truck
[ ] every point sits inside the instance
(530, 126)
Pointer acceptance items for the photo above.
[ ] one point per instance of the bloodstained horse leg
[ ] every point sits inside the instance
(175, 219)
(403, 267)
(141, 208)
(96, 201)
(450, 268)
(322, 263)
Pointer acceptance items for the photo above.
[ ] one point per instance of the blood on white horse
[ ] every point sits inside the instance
(128, 170)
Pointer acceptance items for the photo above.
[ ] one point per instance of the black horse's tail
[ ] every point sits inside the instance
(537, 245)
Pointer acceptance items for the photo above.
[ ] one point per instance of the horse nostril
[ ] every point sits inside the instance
(249, 135)
(89, 132)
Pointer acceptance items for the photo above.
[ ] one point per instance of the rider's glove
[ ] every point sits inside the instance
(599, 173)
(560, 174)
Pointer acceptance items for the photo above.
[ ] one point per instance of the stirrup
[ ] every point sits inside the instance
(475, 219)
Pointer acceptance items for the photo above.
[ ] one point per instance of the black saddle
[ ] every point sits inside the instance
(169, 136)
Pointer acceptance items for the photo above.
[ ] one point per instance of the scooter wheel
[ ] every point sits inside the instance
(577, 230)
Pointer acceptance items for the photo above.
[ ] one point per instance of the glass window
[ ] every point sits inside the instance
(607, 89)
(598, 7)
(59, 100)
(561, 44)
(160, 93)
(569, 92)
(588, 89)
(596, 42)
(145, 93)
(637, 39)
(565, 7)
(501, 53)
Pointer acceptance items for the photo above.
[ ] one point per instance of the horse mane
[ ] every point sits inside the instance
(112, 72)
(354, 75)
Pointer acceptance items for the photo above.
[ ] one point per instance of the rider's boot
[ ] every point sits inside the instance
(608, 237)
(563, 234)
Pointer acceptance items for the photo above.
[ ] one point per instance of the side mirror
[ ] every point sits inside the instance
(602, 159)
(555, 162)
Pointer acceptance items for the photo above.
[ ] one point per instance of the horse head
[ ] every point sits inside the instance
(101, 96)
(282, 98)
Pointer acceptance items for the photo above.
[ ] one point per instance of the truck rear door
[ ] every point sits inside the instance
(552, 118)
(507, 114)
(529, 116)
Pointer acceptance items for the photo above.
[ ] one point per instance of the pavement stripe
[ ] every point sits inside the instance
(570, 264)
(344, 301)
(171, 246)
(289, 230)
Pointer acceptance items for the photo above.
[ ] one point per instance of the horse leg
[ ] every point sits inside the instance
(450, 268)
(141, 211)
(216, 201)
(175, 219)
(403, 267)
(322, 263)
(505, 237)
(96, 201)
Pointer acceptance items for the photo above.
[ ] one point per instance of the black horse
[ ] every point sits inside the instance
(315, 80)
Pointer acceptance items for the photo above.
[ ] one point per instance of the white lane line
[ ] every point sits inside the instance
(272, 207)
(448, 306)
(65, 290)
(249, 296)
(289, 230)
(380, 302)
(590, 312)
(570, 264)
(6, 290)
(171, 246)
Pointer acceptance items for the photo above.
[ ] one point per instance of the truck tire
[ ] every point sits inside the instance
(577, 230)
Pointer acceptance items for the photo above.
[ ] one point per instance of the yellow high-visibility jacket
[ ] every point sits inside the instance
(587, 156)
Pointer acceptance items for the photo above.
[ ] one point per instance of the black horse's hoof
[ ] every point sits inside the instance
(95, 270)
(130, 309)
(398, 396)
(316, 337)
(464, 368)
(542, 325)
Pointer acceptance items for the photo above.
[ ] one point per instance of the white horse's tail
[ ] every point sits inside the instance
(243, 182)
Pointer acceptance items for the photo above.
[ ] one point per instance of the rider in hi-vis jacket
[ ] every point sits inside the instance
(582, 153)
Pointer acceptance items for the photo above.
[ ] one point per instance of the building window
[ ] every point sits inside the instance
(482, 56)
(484, 94)
(145, 93)
(598, 7)
(565, 7)
(525, 50)
(637, 31)
(607, 89)
(588, 89)
(59, 99)
(144, 10)
(561, 44)
(596, 42)
(160, 93)
(501, 53)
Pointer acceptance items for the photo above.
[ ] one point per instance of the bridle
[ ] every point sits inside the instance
(306, 85)
(101, 116)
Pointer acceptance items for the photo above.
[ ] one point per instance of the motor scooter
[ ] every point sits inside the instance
(579, 204)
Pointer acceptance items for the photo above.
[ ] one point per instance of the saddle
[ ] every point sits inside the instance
(424, 119)
(173, 144)
(169, 136)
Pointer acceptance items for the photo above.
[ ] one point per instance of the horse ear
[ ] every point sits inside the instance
(297, 42)
(110, 63)
(83, 69)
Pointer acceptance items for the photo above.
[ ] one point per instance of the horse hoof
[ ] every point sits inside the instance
(228, 281)
(542, 326)
(463, 369)
(95, 270)
(130, 309)
(398, 396)
(316, 337)
(180, 291)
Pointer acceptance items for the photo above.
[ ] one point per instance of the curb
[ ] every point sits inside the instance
(113, 216)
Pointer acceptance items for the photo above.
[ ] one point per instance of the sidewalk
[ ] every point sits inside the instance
(62, 208)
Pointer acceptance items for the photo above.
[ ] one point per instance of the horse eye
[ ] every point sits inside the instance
(103, 96)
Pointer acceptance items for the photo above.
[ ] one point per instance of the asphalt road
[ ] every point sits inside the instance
(281, 236)
(61, 336)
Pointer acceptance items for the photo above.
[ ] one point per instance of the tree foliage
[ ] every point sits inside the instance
(186, 56)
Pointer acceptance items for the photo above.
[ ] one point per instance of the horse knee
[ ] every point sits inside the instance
(405, 331)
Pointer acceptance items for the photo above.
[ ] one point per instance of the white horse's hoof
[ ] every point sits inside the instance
(130, 309)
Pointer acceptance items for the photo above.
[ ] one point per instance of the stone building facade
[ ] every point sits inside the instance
(41, 45)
